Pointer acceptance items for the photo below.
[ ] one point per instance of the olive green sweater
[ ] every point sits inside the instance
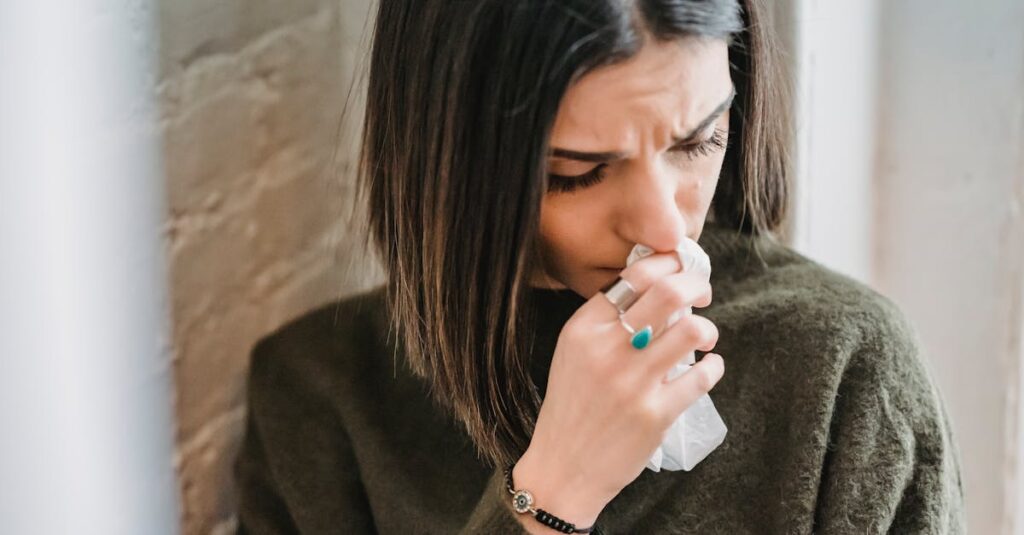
(835, 424)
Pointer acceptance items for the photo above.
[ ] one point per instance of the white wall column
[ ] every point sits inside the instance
(85, 407)
(833, 54)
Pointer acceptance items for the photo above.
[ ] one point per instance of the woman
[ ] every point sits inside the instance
(514, 152)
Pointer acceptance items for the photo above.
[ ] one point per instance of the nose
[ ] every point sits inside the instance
(649, 212)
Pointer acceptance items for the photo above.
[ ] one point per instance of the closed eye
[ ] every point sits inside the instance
(719, 140)
(569, 183)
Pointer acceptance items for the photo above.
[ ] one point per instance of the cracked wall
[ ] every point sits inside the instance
(258, 163)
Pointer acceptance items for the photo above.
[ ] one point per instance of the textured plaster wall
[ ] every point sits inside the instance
(259, 181)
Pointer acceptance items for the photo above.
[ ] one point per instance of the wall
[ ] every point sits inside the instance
(252, 93)
(833, 48)
(85, 382)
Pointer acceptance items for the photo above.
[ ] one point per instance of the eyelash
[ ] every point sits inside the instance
(719, 140)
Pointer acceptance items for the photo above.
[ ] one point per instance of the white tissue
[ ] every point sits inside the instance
(699, 429)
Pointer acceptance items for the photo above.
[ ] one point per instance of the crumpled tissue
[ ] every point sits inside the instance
(699, 429)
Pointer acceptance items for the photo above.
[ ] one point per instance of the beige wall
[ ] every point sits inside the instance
(251, 94)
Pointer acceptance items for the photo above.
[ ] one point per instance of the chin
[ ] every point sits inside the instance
(587, 284)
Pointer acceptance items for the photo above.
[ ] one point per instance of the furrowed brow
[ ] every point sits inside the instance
(609, 156)
(695, 133)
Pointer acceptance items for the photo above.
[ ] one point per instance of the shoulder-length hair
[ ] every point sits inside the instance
(462, 96)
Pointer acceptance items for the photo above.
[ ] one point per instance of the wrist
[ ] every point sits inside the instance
(563, 496)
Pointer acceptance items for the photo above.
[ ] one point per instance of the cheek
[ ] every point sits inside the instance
(561, 222)
(711, 175)
(567, 226)
(698, 181)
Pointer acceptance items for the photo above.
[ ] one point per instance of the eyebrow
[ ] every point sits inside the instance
(598, 157)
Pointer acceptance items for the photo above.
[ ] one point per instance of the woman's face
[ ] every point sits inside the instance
(644, 140)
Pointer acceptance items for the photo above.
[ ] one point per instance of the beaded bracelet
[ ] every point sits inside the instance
(522, 502)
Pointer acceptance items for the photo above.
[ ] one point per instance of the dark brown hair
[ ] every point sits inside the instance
(461, 99)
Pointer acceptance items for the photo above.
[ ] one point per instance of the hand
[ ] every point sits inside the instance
(608, 406)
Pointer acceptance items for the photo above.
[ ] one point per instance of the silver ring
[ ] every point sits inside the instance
(629, 328)
(621, 294)
(638, 339)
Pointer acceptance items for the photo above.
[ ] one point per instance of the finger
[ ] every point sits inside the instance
(643, 273)
(640, 275)
(689, 333)
(681, 392)
(667, 295)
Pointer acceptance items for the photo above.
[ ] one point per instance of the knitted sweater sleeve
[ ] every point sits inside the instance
(892, 464)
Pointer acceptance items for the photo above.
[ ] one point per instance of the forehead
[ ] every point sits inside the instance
(664, 89)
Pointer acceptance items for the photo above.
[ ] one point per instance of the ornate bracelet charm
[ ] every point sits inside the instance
(522, 502)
